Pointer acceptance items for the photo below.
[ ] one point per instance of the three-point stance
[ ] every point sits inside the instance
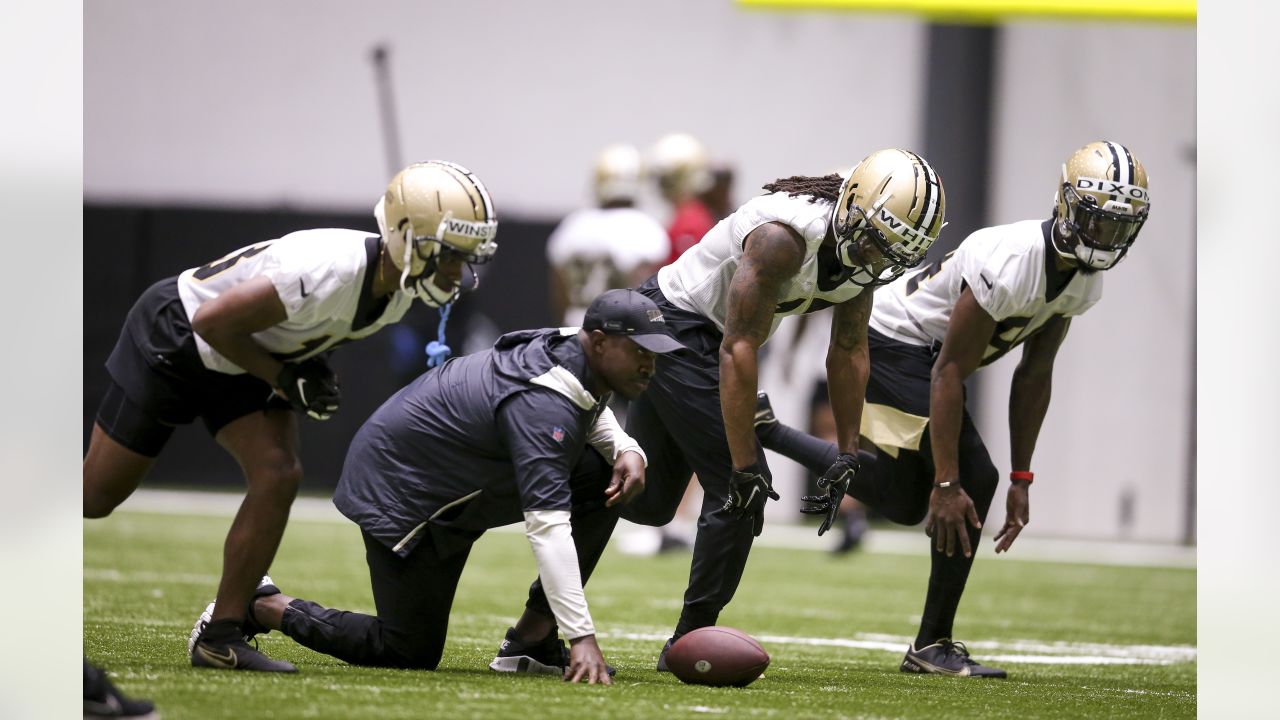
(241, 343)
(810, 243)
(1005, 286)
(483, 441)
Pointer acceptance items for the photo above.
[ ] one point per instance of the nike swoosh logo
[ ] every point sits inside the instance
(225, 661)
(302, 285)
(985, 280)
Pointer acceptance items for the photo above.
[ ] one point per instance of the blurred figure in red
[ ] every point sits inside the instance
(682, 169)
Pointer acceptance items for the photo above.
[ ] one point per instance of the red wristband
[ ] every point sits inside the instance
(1022, 475)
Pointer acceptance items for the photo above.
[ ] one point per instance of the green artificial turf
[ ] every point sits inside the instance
(147, 576)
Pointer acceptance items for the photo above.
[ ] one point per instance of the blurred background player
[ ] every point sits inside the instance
(1004, 286)
(241, 343)
(682, 170)
(611, 245)
(521, 431)
(809, 243)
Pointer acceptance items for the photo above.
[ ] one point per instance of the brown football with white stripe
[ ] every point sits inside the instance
(717, 655)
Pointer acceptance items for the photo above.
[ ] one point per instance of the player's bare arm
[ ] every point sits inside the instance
(772, 254)
(1029, 394)
(228, 322)
(968, 334)
(848, 367)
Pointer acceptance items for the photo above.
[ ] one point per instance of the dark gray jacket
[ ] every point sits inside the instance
(473, 444)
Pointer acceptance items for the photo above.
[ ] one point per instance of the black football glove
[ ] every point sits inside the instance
(749, 489)
(836, 482)
(310, 387)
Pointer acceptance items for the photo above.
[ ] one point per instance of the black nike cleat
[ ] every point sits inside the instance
(946, 658)
(236, 655)
(102, 699)
(548, 657)
(250, 626)
(662, 656)
(764, 412)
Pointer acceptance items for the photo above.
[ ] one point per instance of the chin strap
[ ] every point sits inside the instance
(437, 351)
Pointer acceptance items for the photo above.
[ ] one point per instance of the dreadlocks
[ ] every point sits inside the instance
(826, 187)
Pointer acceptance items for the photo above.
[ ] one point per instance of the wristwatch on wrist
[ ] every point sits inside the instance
(947, 484)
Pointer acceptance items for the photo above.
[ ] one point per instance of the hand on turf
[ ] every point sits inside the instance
(949, 510)
(586, 662)
(836, 482)
(749, 489)
(1017, 505)
(310, 387)
(628, 479)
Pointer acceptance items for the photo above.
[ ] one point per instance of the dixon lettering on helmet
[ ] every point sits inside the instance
(1111, 187)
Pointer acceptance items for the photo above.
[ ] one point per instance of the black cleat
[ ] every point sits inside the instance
(764, 412)
(250, 626)
(103, 700)
(548, 657)
(946, 658)
(662, 656)
(236, 655)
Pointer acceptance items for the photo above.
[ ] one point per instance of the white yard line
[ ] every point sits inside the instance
(1018, 651)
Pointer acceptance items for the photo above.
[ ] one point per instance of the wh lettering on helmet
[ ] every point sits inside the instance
(900, 228)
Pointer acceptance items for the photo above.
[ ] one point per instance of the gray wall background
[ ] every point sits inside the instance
(274, 104)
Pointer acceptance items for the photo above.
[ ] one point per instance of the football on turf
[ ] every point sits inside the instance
(717, 656)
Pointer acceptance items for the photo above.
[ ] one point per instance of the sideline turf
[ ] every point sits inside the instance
(148, 576)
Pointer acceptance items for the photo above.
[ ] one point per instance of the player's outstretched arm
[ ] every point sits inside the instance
(1029, 394)
(950, 508)
(772, 254)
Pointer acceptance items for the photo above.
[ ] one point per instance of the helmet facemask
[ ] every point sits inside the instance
(421, 262)
(1098, 237)
(864, 249)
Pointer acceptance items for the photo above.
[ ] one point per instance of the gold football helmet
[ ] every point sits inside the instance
(890, 211)
(618, 174)
(681, 165)
(1100, 206)
(431, 208)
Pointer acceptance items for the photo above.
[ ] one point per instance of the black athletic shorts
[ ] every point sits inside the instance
(900, 373)
(159, 382)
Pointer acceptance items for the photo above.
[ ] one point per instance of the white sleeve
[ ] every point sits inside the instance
(995, 276)
(551, 537)
(608, 438)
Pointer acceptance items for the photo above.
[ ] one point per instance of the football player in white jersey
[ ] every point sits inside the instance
(1004, 286)
(612, 245)
(810, 243)
(241, 343)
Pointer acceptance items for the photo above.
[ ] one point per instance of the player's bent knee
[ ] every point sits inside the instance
(281, 479)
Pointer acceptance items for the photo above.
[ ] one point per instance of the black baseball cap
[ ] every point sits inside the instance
(627, 312)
